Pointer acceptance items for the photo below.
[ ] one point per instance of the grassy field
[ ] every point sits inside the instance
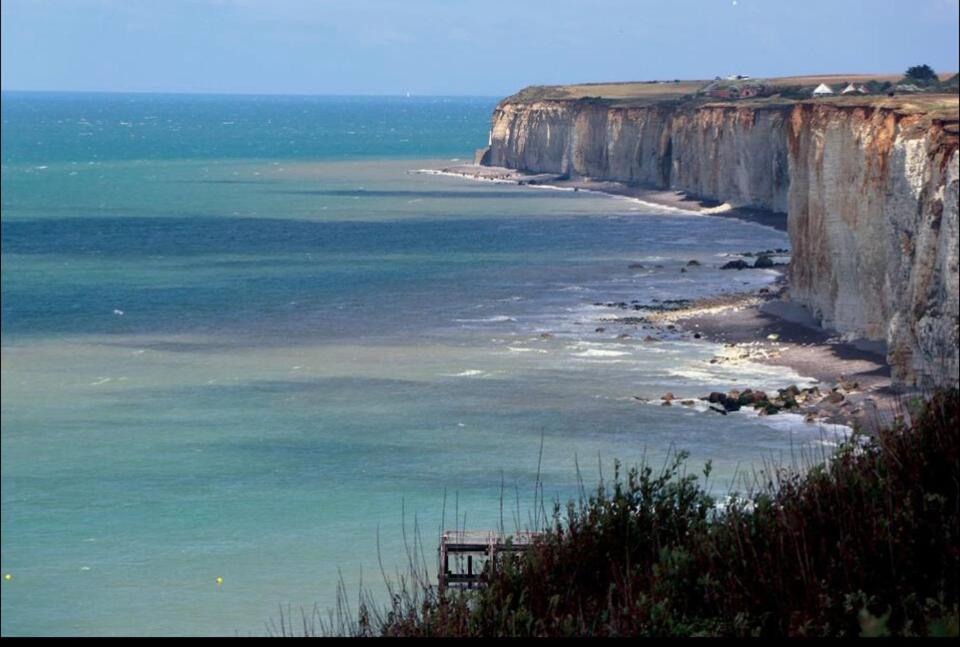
(786, 91)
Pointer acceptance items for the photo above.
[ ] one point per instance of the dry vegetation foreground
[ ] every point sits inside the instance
(863, 543)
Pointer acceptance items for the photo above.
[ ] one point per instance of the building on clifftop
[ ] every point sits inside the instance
(822, 90)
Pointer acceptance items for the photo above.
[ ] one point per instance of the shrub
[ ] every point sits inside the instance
(921, 73)
(864, 543)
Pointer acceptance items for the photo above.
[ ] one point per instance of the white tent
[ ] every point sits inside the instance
(822, 90)
(850, 89)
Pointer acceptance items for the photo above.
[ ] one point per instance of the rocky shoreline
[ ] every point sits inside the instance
(852, 379)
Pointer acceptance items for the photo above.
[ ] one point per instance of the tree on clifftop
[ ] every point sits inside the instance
(921, 73)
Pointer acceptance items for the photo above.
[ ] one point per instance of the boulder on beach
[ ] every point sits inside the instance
(749, 397)
(738, 264)
(728, 403)
(834, 397)
(763, 261)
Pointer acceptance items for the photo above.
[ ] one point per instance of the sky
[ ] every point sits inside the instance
(454, 47)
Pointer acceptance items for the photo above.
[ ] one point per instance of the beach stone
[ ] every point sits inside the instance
(769, 409)
(668, 397)
(834, 397)
(728, 403)
(731, 405)
(600, 329)
(693, 263)
(635, 266)
(687, 403)
(750, 396)
(738, 264)
(789, 394)
(763, 261)
(697, 335)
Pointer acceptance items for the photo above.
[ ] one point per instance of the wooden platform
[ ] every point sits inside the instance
(466, 555)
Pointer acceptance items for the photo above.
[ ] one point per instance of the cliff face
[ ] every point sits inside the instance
(873, 224)
(740, 154)
(871, 196)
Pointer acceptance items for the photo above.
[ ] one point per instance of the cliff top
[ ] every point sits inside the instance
(942, 103)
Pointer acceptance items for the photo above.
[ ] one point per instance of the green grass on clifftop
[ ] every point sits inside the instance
(939, 102)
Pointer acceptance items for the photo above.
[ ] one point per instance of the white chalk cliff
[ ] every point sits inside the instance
(871, 196)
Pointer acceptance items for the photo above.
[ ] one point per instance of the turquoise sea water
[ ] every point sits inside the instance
(240, 336)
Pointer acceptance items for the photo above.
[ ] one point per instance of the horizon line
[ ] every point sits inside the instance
(249, 94)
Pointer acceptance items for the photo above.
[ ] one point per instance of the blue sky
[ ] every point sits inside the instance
(488, 47)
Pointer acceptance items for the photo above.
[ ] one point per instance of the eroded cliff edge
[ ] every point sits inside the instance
(871, 193)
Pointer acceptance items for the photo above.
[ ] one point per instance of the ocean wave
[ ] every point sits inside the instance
(600, 352)
(470, 372)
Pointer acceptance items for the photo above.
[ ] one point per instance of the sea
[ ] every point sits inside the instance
(250, 349)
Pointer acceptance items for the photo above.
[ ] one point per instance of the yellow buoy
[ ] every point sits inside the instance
(8, 577)
(219, 580)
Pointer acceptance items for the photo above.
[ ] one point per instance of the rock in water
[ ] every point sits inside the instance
(763, 261)
(738, 264)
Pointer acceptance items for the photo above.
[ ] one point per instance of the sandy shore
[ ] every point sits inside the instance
(672, 199)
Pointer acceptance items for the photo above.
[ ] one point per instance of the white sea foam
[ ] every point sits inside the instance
(599, 352)
(493, 319)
